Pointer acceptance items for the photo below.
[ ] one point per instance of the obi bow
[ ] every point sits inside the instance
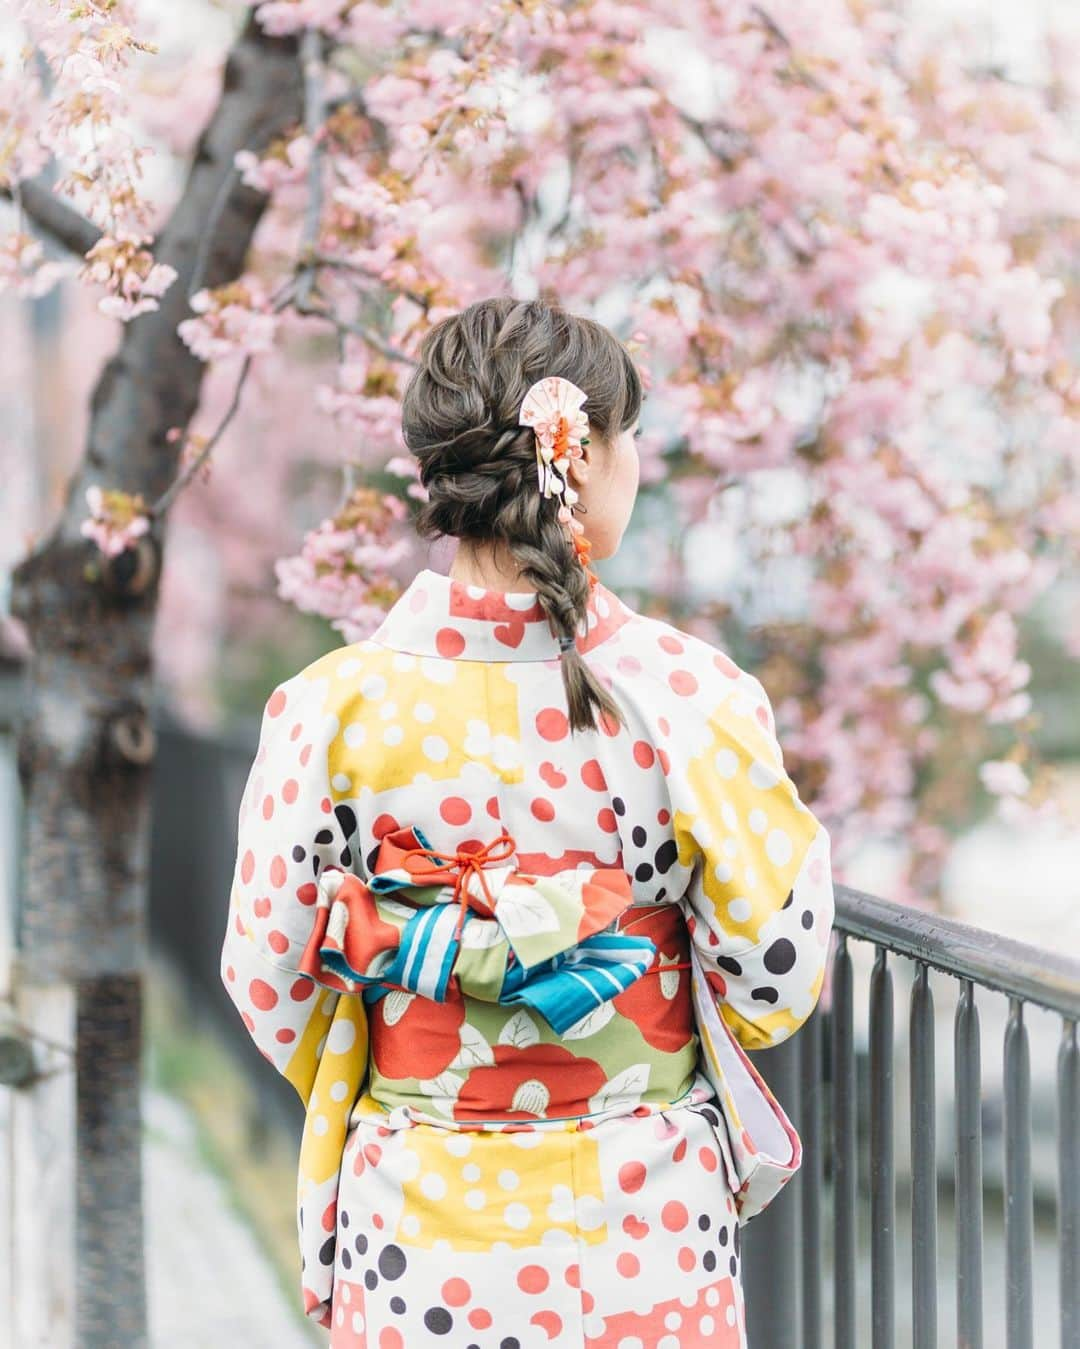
(424, 921)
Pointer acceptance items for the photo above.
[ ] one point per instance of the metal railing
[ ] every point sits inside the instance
(815, 1075)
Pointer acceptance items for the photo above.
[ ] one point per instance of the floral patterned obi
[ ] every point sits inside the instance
(469, 1059)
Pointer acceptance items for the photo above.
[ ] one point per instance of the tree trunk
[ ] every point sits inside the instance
(85, 753)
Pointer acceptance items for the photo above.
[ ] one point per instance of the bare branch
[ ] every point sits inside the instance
(53, 216)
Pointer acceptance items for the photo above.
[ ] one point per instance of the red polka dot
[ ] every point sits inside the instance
(671, 644)
(662, 816)
(308, 894)
(606, 820)
(663, 759)
(674, 1216)
(456, 1292)
(631, 1176)
(763, 717)
(326, 805)
(664, 724)
(707, 1158)
(588, 1302)
(634, 1227)
(683, 682)
(329, 1217)
(301, 989)
(247, 867)
(609, 724)
(479, 1318)
(389, 1338)
(679, 1152)
(278, 872)
(687, 1258)
(268, 807)
(593, 775)
(726, 664)
(533, 1279)
(289, 791)
(276, 705)
(552, 724)
(493, 807)
(372, 1153)
(573, 1276)
(377, 1221)
(384, 824)
(542, 808)
(305, 755)
(455, 810)
(277, 941)
(449, 642)
(285, 1036)
(548, 1321)
(262, 995)
(230, 973)
(628, 1265)
(247, 1020)
(261, 908)
(643, 753)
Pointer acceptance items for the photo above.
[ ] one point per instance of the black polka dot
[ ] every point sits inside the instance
(347, 819)
(709, 1260)
(315, 862)
(397, 1305)
(807, 919)
(298, 854)
(730, 964)
(660, 893)
(324, 836)
(723, 1234)
(510, 1342)
(371, 1280)
(733, 1265)
(707, 1112)
(373, 857)
(704, 1221)
(765, 994)
(736, 1239)
(666, 856)
(361, 1243)
(790, 897)
(346, 857)
(326, 1251)
(639, 836)
(780, 956)
(438, 1320)
(346, 1258)
(643, 872)
(618, 805)
(344, 1217)
(392, 1262)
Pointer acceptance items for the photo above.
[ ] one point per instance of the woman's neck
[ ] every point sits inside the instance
(492, 566)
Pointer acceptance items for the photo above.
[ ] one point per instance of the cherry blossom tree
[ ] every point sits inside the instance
(841, 250)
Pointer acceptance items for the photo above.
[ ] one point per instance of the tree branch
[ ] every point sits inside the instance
(53, 216)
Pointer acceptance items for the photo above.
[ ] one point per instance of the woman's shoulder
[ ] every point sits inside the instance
(695, 678)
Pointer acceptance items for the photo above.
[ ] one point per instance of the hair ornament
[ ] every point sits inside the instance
(552, 407)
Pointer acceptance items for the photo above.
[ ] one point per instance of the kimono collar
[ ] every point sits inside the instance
(437, 615)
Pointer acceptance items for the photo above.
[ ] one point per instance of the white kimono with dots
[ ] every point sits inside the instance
(469, 1175)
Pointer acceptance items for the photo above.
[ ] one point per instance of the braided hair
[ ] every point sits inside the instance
(478, 464)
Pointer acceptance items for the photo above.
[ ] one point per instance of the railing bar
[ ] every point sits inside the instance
(845, 1142)
(1044, 978)
(969, 1214)
(923, 1163)
(810, 1129)
(1068, 1124)
(1019, 1312)
(882, 1177)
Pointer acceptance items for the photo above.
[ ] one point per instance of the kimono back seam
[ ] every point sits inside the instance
(468, 1174)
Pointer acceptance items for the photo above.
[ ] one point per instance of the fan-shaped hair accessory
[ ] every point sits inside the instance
(552, 407)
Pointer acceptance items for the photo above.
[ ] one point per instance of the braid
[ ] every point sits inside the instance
(478, 464)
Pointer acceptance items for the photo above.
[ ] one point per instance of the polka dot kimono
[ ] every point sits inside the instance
(474, 1171)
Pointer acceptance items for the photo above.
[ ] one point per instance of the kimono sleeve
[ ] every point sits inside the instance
(287, 837)
(759, 904)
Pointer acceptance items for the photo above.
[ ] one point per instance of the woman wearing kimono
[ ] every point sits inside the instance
(518, 879)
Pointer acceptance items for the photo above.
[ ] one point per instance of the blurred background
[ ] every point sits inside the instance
(841, 242)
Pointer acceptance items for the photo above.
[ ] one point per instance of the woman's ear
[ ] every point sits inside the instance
(578, 468)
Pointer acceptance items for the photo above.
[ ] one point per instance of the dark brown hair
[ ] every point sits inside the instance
(460, 420)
